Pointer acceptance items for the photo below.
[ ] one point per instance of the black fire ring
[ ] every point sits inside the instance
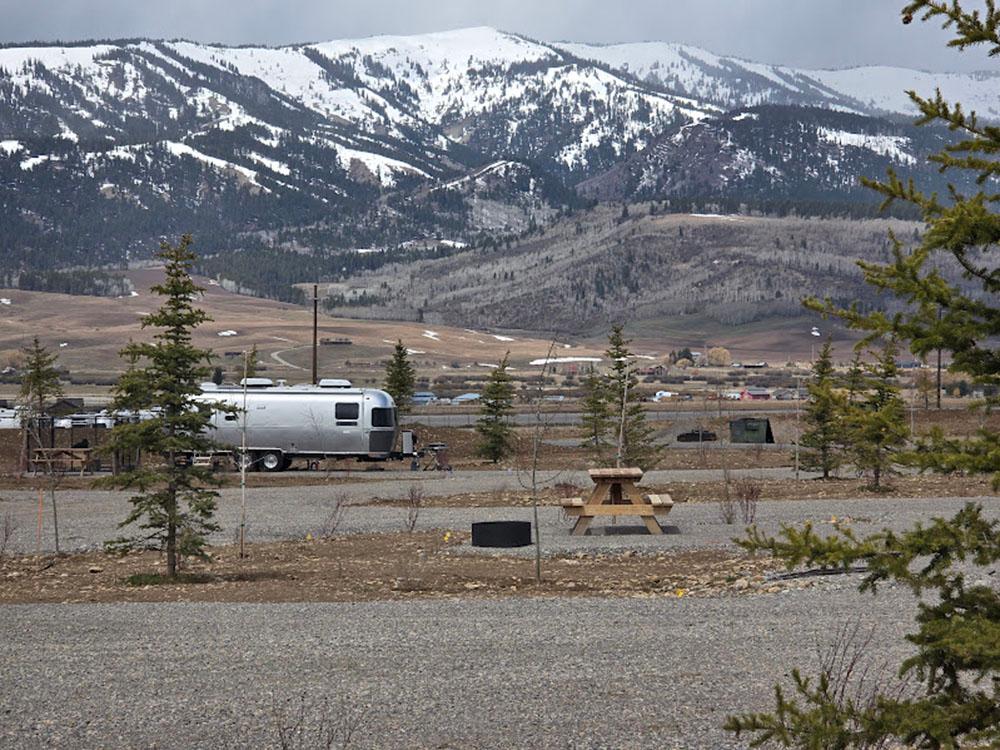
(501, 534)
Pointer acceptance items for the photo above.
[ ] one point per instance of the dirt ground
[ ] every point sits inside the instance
(378, 566)
(705, 492)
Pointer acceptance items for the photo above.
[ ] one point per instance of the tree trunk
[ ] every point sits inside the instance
(171, 548)
(55, 513)
(171, 528)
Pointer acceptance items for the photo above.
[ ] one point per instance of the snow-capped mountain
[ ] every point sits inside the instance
(803, 154)
(314, 149)
(731, 83)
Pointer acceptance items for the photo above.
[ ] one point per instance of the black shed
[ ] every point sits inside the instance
(750, 430)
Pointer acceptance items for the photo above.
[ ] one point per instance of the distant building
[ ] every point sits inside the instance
(750, 430)
(753, 393)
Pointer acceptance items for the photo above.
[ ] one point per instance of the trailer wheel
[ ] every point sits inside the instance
(243, 460)
(272, 461)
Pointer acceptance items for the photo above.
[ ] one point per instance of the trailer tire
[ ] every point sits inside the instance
(271, 461)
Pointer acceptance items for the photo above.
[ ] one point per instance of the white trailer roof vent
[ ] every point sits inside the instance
(334, 383)
(257, 382)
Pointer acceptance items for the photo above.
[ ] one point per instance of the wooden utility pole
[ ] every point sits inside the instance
(315, 379)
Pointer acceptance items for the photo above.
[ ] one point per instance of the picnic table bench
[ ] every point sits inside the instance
(615, 494)
(64, 459)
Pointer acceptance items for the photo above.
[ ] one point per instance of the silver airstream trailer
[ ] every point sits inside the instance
(331, 419)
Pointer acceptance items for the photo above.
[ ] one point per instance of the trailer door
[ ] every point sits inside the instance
(348, 431)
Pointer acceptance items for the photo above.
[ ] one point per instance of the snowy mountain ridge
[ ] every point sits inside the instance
(311, 150)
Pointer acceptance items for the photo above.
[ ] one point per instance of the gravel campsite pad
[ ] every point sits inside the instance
(419, 640)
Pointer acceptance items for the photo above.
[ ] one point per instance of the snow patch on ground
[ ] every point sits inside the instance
(11, 147)
(432, 335)
(892, 146)
(498, 337)
(182, 149)
(562, 360)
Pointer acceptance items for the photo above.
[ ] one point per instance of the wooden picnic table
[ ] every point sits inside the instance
(63, 459)
(615, 494)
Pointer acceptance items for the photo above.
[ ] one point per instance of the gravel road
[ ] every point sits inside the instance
(570, 673)
(89, 518)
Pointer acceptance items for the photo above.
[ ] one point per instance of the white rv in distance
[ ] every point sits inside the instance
(329, 420)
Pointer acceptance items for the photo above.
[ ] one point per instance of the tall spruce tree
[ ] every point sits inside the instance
(400, 378)
(957, 639)
(876, 425)
(39, 380)
(174, 502)
(252, 364)
(496, 436)
(40, 386)
(633, 435)
(596, 421)
(825, 418)
(854, 380)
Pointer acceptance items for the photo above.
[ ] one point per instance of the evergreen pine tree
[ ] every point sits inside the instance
(854, 381)
(39, 387)
(824, 416)
(876, 424)
(39, 380)
(400, 378)
(957, 638)
(633, 435)
(173, 504)
(596, 421)
(496, 437)
(252, 362)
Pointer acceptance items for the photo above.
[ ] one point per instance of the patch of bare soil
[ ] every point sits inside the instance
(837, 489)
(379, 567)
(703, 492)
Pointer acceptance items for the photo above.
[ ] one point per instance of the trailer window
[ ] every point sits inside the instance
(382, 417)
(347, 414)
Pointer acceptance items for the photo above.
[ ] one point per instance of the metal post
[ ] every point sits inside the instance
(315, 329)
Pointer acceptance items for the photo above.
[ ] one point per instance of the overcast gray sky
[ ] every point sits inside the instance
(804, 33)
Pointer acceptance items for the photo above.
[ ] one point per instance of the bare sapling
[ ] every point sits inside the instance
(335, 517)
(747, 493)
(300, 723)
(727, 503)
(540, 427)
(8, 527)
(855, 677)
(414, 502)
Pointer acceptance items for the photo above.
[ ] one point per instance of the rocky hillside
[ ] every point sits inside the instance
(599, 266)
(787, 154)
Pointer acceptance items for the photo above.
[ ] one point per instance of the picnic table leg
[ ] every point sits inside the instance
(652, 525)
(581, 525)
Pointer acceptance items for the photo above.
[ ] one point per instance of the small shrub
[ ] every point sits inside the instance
(414, 502)
(301, 723)
(727, 504)
(336, 516)
(8, 527)
(747, 493)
